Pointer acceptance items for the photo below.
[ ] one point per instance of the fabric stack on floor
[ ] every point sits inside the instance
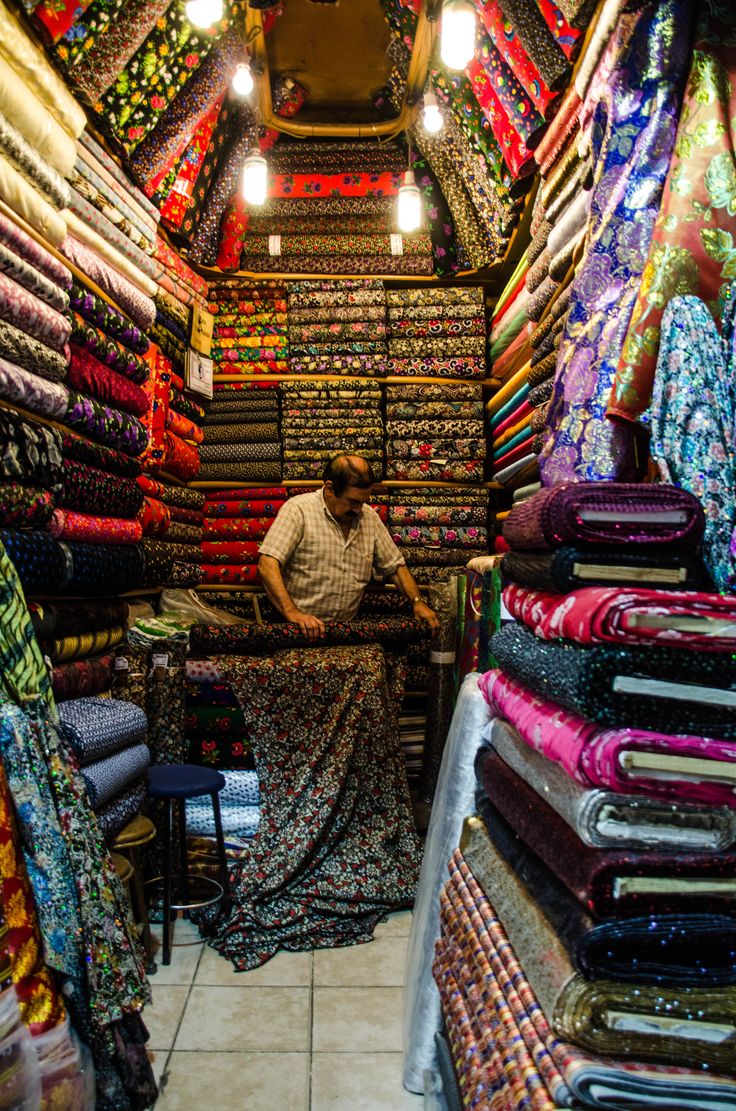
(434, 432)
(240, 808)
(438, 530)
(108, 737)
(235, 523)
(78, 638)
(337, 327)
(215, 725)
(607, 797)
(250, 332)
(320, 419)
(437, 333)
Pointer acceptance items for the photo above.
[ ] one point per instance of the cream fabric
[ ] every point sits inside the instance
(23, 199)
(31, 65)
(123, 266)
(34, 122)
(324, 573)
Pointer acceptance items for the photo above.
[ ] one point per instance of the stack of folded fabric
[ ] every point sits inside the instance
(240, 808)
(241, 434)
(250, 331)
(512, 360)
(337, 327)
(320, 419)
(78, 639)
(108, 737)
(437, 333)
(172, 519)
(438, 530)
(434, 432)
(214, 722)
(235, 523)
(607, 798)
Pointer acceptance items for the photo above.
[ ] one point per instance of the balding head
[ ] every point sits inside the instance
(349, 470)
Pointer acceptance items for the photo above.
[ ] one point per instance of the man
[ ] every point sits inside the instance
(323, 548)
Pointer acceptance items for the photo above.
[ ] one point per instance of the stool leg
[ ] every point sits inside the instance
(183, 852)
(167, 881)
(220, 849)
(142, 908)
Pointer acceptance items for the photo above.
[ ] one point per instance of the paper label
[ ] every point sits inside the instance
(160, 659)
(121, 664)
(202, 330)
(442, 657)
(274, 244)
(397, 244)
(199, 373)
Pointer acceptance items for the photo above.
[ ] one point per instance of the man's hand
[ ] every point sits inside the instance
(311, 626)
(425, 613)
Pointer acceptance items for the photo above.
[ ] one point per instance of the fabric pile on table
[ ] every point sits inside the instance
(337, 327)
(108, 737)
(434, 432)
(235, 523)
(320, 419)
(437, 333)
(250, 333)
(607, 798)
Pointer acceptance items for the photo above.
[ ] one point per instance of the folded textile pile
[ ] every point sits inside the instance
(172, 521)
(514, 1008)
(108, 737)
(607, 789)
(437, 529)
(241, 434)
(78, 638)
(250, 331)
(240, 808)
(437, 333)
(214, 723)
(235, 523)
(320, 419)
(434, 432)
(337, 327)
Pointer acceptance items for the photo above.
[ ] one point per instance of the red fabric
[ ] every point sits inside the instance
(154, 517)
(157, 390)
(507, 301)
(92, 377)
(231, 365)
(257, 304)
(236, 528)
(516, 453)
(150, 486)
(230, 573)
(177, 383)
(175, 263)
(513, 53)
(229, 551)
(186, 516)
(58, 16)
(184, 427)
(567, 36)
(502, 362)
(335, 185)
(515, 153)
(180, 458)
(518, 414)
(596, 615)
(174, 206)
(67, 524)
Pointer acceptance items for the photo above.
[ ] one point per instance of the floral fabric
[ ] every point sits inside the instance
(107, 318)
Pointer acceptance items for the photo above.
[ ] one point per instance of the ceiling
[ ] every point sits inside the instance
(337, 51)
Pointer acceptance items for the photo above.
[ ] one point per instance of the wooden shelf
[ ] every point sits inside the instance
(389, 483)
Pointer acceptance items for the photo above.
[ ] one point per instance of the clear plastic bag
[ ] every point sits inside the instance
(65, 1066)
(188, 603)
(20, 1079)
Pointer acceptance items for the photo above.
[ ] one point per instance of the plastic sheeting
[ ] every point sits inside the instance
(453, 802)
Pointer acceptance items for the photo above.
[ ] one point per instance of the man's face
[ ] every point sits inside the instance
(348, 506)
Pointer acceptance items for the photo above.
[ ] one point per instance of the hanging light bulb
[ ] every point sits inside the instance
(457, 39)
(203, 13)
(432, 117)
(242, 82)
(255, 178)
(410, 203)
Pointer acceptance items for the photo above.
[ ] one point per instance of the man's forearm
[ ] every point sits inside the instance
(273, 583)
(405, 581)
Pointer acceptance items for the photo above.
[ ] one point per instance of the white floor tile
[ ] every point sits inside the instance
(360, 1082)
(348, 1020)
(236, 1082)
(380, 963)
(283, 970)
(244, 1019)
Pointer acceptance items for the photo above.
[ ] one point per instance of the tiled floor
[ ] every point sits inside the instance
(306, 1032)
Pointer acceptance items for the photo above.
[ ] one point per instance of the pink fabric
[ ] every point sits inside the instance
(592, 755)
(598, 615)
(518, 414)
(132, 300)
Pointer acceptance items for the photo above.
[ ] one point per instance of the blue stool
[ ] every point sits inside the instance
(176, 783)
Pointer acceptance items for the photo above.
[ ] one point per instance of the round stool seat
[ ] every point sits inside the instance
(123, 867)
(139, 831)
(183, 781)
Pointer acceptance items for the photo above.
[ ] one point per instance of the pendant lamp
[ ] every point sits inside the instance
(457, 36)
(255, 178)
(203, 13)
(242, 82)
(431, 116)
(410, 204)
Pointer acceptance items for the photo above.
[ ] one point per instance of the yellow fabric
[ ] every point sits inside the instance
(31, 65)
(35, 210)
(508, 390)
(34, 121)
(96, 243)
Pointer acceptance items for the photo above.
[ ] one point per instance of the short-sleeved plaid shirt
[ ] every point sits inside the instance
(324, 573)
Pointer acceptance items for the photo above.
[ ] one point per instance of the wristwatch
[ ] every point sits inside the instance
(415, 599)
